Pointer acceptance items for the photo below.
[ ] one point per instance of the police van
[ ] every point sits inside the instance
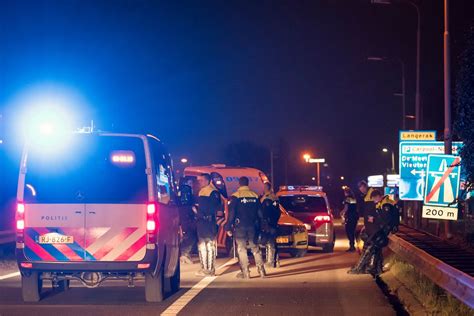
(292, 236)
(102, 206)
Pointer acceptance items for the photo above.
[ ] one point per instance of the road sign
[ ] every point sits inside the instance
(442, 180)
(417, 135)
(316, 160)
(412, 165)
(440, 212)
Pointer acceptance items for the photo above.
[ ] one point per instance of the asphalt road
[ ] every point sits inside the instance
(315, 284)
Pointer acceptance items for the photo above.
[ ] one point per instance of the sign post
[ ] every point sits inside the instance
(442, 181)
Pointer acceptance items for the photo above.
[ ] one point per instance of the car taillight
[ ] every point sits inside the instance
(322, 218)
(20, 221)
(150, 226)
(151, 209)
(20, 224)
(151, 222)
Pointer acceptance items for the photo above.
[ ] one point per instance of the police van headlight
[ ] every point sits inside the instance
(307, 226)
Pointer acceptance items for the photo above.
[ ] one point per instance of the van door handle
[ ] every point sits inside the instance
(91, 212)
(78, 212)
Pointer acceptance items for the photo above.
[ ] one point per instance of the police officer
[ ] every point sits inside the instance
(243, 217)
(187, 219)
(270, 214)
(386, 221)
(208, 203)
(366, 208)
(351, 217)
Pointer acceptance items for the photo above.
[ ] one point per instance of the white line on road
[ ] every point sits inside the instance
(8, 276)
(187, 297)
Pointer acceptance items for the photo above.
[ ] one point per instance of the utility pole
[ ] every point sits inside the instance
(448, 148)
(417, 93)
(447, 83)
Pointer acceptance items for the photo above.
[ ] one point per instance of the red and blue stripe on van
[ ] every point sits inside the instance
(99, 244)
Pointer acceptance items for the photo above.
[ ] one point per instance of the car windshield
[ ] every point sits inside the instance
(94, 169)
(303, 203)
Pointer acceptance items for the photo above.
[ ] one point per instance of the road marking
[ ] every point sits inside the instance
(10, 275)
(187, 297)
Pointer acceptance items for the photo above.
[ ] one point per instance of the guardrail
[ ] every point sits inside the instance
(7, 236)
(454, 281)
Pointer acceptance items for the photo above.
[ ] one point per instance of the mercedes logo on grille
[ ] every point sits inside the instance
(79, 196)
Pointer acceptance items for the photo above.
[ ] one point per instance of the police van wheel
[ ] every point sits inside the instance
(31, 287)
(173, 282)
(154, 290)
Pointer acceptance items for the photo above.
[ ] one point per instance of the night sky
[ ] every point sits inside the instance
(201, 75)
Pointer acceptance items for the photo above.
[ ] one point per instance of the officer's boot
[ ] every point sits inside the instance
(377, 267)
(202, 259)
(361, 266)
(211, 258)
(243, 274)
(270, 256)
(261, 271)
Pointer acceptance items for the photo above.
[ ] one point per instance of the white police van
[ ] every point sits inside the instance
(103, 207)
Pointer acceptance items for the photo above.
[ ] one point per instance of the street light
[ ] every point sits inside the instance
(317, 161)
(184, 160)
(418, 40)
(403, 94)
(342, 178)
(385, 150)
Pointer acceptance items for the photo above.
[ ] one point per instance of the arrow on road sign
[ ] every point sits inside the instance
(420, 172)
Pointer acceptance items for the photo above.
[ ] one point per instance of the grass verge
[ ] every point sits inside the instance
(434, 299)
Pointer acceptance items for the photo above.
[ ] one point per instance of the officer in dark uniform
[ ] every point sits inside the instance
(243, 218)
(270, 214)
(187, 219)
(386, 221)
(366, 208)
(351, 217)
(209, 201)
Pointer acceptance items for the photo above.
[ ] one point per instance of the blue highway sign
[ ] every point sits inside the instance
(413, 163)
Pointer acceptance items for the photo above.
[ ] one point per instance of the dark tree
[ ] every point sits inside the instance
(464, 125)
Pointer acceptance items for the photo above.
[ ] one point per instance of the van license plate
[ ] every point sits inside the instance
(282, 240)
(55, 239)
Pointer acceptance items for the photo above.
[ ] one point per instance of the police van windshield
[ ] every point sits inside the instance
(303, 203)
(94, 169)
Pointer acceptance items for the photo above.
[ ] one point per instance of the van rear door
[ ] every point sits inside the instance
(54, 232)
(116, 201)
(87, 203)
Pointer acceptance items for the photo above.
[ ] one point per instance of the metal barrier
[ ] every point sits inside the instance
(7, 236)
(456, 282)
